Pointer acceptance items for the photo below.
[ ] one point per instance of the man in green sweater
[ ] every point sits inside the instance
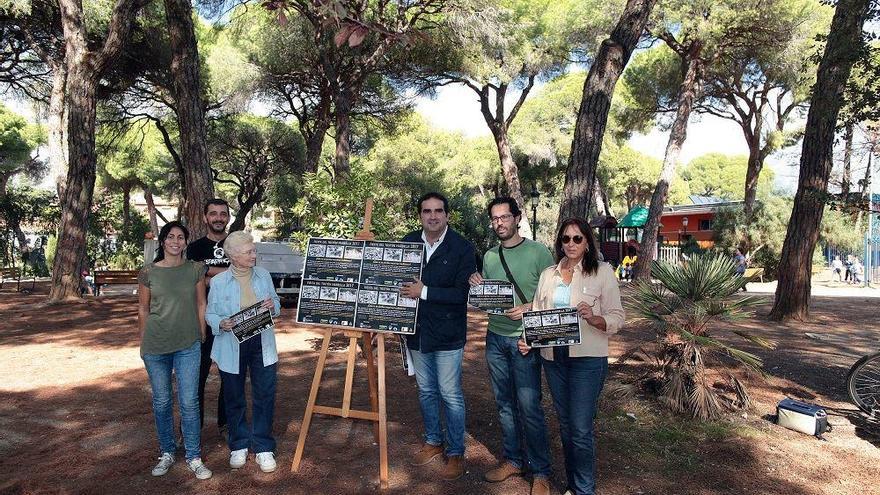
(516, 379)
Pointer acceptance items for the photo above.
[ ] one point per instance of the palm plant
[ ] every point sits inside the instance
(684, 308)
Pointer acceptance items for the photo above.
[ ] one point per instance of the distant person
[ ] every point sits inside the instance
(848, 265)
(858, 271)
(231, 291)
(629, 261)
(837, 268)
(171, 320)
(210, 250)
(576, 373)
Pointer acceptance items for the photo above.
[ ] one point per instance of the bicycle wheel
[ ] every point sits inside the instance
(863, 383)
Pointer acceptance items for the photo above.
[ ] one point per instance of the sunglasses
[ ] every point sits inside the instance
(577, 239)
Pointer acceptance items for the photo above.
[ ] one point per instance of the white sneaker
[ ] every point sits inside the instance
(165, 462)
(266, 460)
(237, 458)
(197, 466)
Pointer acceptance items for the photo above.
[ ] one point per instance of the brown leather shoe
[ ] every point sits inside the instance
(540, 486)
(426, 454)
(502, 472)
(454, 468)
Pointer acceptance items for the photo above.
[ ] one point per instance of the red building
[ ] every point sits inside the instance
(680, 222)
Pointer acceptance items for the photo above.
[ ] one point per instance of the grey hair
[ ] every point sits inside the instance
(236, 240)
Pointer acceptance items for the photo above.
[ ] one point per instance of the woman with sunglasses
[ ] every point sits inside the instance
(577, 373)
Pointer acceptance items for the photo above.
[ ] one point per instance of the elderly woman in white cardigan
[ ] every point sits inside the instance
(243, 285)
(577, 373)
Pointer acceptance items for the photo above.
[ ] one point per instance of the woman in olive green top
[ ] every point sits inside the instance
(171, 319)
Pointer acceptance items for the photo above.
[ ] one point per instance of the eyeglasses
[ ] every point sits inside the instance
(502, 218)
(577, 239)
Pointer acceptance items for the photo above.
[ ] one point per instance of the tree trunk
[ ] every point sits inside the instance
(600, 198)
(592, 117)
(841, 50)
(511, 177)
(846, 178)
(199, 186)
(863, 191)
(126, 208)
(151, 212)
(753, 172)
(84, 70)
(314, 139)
(244, 210)
(77, 198)
(344, 104)
(687, 96)
(56, 142)
(315, 144)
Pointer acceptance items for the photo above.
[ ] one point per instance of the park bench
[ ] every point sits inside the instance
(114, 277)
(752, 273)
(15, 273)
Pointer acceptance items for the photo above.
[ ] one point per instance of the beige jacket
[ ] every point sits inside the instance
(601, 290)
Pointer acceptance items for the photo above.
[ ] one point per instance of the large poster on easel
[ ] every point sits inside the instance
(355, 284)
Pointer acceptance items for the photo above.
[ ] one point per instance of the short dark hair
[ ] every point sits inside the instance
(433, 195)
(217, 202)
(590, 262)
(504, 200)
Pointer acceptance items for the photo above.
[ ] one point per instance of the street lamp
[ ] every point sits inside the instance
(534, 197)
(684, 223)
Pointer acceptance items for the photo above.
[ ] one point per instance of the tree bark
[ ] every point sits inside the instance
(244, 210)
(592, 117)
(315, 143)
(846, 178)
(753, 172)
(151, 211)
(84, 70)
(198, 184)
(56, 142)
(687, 96)
(126, 207)
(511, 177)
(795, 267)
(344, 104)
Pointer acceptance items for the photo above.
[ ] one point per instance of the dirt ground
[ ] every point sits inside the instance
(75, 415)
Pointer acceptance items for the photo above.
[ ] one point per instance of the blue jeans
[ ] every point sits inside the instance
(185, 364)
(438, 374)
(516, 382)
(258, 435)
(575, 383)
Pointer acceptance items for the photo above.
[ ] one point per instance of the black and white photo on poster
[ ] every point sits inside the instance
(251, 321)
(492, 296)
(327, 302)
(552, 327)
(356, 283)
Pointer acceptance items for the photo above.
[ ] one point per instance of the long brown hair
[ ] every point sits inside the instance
(590, 262)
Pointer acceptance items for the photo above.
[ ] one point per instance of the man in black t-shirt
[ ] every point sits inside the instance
(209, 249)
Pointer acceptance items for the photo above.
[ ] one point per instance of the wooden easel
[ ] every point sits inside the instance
(377, 387)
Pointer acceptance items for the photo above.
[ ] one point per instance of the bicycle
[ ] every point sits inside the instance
(863, 383)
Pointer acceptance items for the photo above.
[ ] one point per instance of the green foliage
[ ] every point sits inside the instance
(136, 157)
(18, 139)
(26, 205)
(336, 209)
(685, 309)
(109, 242)
(766, 231)
(838, 229)
(722, 176)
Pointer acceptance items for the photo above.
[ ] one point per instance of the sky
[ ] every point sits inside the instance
(456, 108)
